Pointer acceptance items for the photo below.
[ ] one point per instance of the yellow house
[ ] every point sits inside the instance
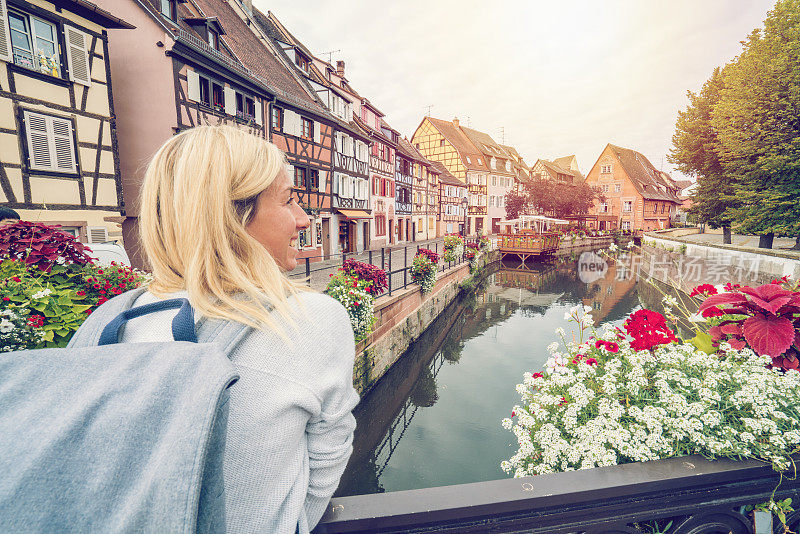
(445, 142)
(58, 149)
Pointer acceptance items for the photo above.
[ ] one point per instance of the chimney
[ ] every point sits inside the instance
(455, 122)
(340, 67)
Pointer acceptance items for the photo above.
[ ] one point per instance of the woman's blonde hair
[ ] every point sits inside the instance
(198, 195)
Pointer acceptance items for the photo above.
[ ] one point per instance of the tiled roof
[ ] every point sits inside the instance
(644, 176)
(444, 175)
(408, 150)
(258, 58)
(483, 140)
(461, 143)
(517, 158)
(556, 168)
(564, 161)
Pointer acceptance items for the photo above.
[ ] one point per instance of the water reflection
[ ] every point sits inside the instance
(434, 418)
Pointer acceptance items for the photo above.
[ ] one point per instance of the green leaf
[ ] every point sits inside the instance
(703, 342)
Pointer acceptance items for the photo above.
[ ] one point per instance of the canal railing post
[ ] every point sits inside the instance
(405, 267)
(370, 257)
(308, 267)
(390, 273)
(383, 258)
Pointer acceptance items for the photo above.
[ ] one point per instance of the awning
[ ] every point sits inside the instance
(355, 214)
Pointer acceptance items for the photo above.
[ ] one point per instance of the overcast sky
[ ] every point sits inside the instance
(555, 78)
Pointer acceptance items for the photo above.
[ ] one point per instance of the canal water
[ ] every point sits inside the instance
(434, 418)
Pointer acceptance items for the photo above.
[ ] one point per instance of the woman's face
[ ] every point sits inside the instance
(277, 222)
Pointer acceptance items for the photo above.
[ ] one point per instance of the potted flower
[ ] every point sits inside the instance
(639, 394)
(423, 270)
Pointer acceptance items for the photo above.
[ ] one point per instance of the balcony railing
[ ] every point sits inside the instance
(693, 494)
(477, 210)
(402, 207)
(476, 189)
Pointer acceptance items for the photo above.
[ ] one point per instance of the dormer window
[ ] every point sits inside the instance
(301, 61)
(169, 9)
(208, 28)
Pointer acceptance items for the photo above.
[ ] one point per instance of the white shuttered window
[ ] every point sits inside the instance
(51, 145)
(5, 36)
(77, 56)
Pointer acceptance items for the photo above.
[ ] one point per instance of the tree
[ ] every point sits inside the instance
(757, 120)
(514, 203)
(696, 152)
(560, 199)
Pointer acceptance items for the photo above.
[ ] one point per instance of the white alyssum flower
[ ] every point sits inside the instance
(630, 244)
(6, 326)
(637, 406)
(41, 294)
(613, 247)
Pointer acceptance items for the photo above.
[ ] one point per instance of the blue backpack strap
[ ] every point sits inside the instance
(182, 324)
(89, 332)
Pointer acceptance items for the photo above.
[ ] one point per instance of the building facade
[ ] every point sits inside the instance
(59, 158)
(452, 216)
(349, 218)
(638, 196)
(445, 142)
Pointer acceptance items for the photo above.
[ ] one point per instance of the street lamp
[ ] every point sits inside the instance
(464, 203)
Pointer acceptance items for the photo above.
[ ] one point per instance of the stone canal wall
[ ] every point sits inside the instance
(684, 264)
(402, 318)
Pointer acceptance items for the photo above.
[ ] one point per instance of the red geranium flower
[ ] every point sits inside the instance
(712, 312)
(537, 375)
(591, 361)
(703, 289)
(648, 329)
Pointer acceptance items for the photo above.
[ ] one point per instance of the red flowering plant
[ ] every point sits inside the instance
(374, 276)
(434, 257)
(47, 282)
(648, 329)
(765, 318)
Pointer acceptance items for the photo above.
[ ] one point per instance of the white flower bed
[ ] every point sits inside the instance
(596, 406)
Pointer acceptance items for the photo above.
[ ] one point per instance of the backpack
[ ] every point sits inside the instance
(108, 437)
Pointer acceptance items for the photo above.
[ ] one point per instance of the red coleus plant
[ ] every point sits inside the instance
(368, 273)
(765, 317)
(434, 257)
(41, 245)
(648, 329)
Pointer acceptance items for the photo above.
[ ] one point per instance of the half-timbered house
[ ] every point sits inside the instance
(445, 142)
(501, 175)
(59, 161)
(204, 65)
(452, 191)
(350, 174)
(406, 173)
(382, 174)
(423, 221)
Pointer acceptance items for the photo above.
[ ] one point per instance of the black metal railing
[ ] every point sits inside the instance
(688, 495)
(396, 261)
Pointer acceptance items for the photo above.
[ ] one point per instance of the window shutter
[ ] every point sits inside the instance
(230, 99)
(5, 37)
(77, 56)
(290, 172)
(289, 122)
(193, 86)
(63, 145)
(39, 154)
(50, 143)
(317, 127)
(259, 119)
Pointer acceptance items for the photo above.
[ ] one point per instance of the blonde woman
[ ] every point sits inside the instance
(219, 224)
